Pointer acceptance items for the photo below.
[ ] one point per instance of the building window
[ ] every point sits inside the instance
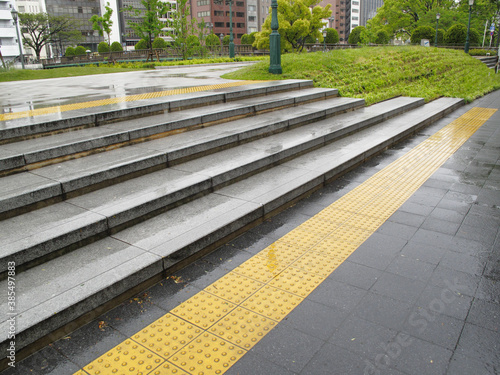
(355, 3)
(251, 18)
(203, 2)
(354, 18)
(252, 8)
(355, 10)
(219, 24)
(219, 13)
(204, 14)
(240, 14)
(240, 25)
(354, 25)
(240, 4)
(239, 36)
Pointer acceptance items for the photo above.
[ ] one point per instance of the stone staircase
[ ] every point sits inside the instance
(96, 207)
(489, 61)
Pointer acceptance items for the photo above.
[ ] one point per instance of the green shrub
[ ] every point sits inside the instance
(225, 40)
(212, 40)
(423, 32)
(70, 51)
(141, 44)
(355, 35)
(382, 37)
(245, 39)
(193, 41)
(440, 36)
(457, 34)
(116, 47)
(103, 47)
(159, 43)
(80, 51)
(480, 52)
(332, 36)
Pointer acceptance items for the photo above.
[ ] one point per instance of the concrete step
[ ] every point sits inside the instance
(49, 231)
(30, 190)
(36, 153)
(29, 127)
(489, 61)
(66, 288)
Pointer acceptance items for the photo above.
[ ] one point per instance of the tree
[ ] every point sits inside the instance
(355, 35)
(80, 51)
(332, 36)
(181, 26)
(245, 39)
(225, 40)
(65, 37)
(103, 47)
(382, 37)
(159, 43)
(39, 29)
(296, 23)
(151, 26)
(116, 47)
(212, 40)
(141, 44)
(70, 51)
(423, 32)
(458, 33)
(103, 24)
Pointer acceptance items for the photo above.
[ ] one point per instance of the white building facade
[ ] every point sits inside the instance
(9, 46)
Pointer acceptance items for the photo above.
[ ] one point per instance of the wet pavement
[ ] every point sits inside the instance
(62, 91)
(419, 296)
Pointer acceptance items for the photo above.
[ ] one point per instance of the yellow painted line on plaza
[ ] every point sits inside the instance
(212, 330)
(121, 99)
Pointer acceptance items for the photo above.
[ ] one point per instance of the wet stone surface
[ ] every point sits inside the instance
(420, 296)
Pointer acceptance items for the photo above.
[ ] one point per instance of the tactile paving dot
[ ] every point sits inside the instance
(319, 226)
(365, 220)
(126, 358)
(207, 354)
(301, 237)
(168, 368)
(296, 281)
(335, 248)
(167, 335)
(203, 309)
(318, 263)
(351, 234)
(272, 302)
(334, 214)
(234, 287)
(243, 327)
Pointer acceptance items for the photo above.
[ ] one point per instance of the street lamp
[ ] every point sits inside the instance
(437, 25)
(275, 41)
(466, 49)
(331, 19)
(324, 40)
(231, 39)
(14, 17)
(221, 36)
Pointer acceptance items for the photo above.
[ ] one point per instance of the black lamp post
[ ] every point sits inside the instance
(466, 49)
(274, 41)
(14, 17)
(331, 19)
(437, 25)
(324, 40)
(221, 36)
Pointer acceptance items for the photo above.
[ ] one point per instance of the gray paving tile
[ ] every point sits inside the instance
(489, 290)
(252, 363)
(356, 274)
(446, 300)
(315, 319)
(464, 283)
(479, 343)
(341, 296)
(361, 336)
(383, 310)
(410, 268)
(487, 235)
(398, 230)
(423, 252)
(452, 205)
(463, 365)
(447, 215)
(485, 314)
(333, 360)
(288, 348)
(441, 226)
(398, 287)
(422, 357)
(407, 218)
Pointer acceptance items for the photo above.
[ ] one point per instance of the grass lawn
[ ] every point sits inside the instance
(380, 73)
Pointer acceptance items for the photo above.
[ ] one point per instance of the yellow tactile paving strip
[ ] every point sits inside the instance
(210, 331)
(122, 99)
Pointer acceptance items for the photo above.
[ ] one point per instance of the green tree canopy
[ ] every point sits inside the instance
(181, 26)
(103, 47)
(159, 43)
(70, 51)
(116, 47)
(423, 32)
(332, 36)
(458, 33)
(382, 37)
(40, 29)
(212, 40)
(151, 26)
(141, 44)
(80, 51)
(355, 35)
(296, 23)
(103, 24)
